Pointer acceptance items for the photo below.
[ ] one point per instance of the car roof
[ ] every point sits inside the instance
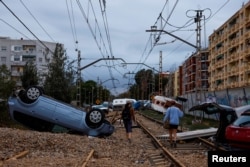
(211, 108)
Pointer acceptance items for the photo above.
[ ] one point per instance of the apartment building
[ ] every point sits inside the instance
(195, 73)
(229, 48)
(14, 53)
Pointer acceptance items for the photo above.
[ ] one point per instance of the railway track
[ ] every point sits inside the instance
(188, 153)
(24, 148)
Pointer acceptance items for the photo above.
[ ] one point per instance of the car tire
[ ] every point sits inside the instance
(95, 118)
(32, 93)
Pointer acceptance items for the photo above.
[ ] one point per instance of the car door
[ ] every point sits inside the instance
(68, 116)
(44, 109)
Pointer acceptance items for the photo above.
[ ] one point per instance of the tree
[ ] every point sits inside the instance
(90, 92)
(6, 84)
(60, 78)
(143, 79)
(30, 76)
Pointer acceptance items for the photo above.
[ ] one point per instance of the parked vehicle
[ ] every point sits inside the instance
(108, 104)
(101, 107)
(238, 133)
(118, 104)
(227, 115)
(37, 111)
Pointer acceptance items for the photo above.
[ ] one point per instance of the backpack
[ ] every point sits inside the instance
(126, 114)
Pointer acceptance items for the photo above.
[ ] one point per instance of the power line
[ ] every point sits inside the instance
(37, 21)
(179, 28)
(162, 27)
(72, 24)
(96, 29)
(25, 26)
(15, 29)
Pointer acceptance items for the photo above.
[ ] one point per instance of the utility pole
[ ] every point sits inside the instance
(78, 82)
(198, 74)
(153, 83)
(197, 20)
(160, 74)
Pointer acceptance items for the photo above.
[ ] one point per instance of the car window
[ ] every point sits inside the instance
(243, 121)
(212, 109)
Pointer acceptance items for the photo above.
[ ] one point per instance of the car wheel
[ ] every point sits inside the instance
(95, 118)
(32, 93)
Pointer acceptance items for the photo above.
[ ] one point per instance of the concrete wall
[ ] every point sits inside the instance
(231, 97)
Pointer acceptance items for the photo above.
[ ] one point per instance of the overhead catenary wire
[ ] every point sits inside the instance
(105, 22)
(149, 41)
(204, 23)
(95, 30)
(26, 26)
(171, 52)
(36, 20)
(15, 29)
(72, 23)
(162, 27)
(20, 32)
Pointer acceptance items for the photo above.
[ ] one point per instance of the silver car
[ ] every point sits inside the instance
(37, 111)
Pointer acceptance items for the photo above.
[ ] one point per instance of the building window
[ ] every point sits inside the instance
(40, 59)
(17, 48)
(29, 58)
(3, 48)
(3, 59)
(16, 58)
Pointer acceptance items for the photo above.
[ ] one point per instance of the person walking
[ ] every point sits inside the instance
(128, 115)
(173, 114)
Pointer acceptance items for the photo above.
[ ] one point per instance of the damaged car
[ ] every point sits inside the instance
(32, 108)
(238, 133)
(226, 114)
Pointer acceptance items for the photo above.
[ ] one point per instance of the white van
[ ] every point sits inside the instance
(118, 104)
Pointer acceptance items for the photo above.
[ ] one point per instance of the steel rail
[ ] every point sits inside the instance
(171, 156)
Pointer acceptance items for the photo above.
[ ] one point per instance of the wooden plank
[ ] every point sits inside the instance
(19, 155)
(88, 158)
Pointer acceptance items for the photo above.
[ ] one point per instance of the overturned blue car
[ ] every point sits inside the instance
(39, 112)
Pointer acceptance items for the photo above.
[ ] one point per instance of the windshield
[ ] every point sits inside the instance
(243, 121)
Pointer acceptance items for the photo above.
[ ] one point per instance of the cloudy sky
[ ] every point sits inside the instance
(116, 28)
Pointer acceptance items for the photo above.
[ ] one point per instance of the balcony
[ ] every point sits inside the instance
(247, 69)
(16, 73)
(17, 63)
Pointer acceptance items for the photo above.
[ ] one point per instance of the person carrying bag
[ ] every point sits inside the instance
(172, 115)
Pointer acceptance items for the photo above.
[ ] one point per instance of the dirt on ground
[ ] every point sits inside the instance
(24, 148)
(32, 148)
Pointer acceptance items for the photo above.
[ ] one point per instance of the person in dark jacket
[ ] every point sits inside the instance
(127, 120)
(173, 114)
